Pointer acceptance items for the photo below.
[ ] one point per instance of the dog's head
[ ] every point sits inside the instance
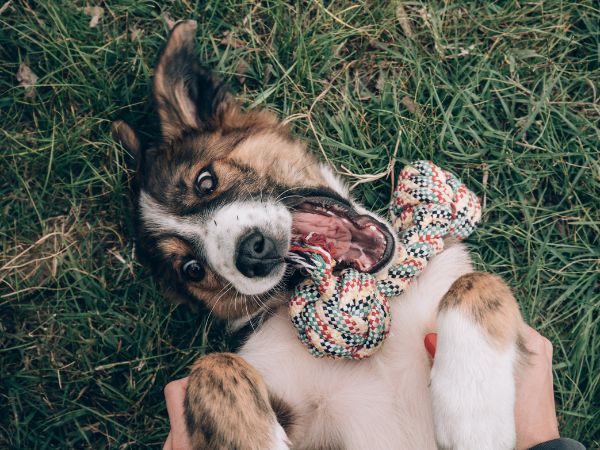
(222, 193)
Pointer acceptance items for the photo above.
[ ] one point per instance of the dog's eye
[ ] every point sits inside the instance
(206, 182)
(192, 270)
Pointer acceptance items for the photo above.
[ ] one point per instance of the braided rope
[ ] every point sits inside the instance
(348, 316)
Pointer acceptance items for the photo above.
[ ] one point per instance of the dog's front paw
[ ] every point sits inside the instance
(227, 406)
(472, 386)
(473, 379)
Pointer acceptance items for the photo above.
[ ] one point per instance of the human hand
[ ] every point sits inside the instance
(178, 438)
(535, 413)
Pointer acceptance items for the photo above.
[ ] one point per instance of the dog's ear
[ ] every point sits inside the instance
(127, 137)
(188, 97)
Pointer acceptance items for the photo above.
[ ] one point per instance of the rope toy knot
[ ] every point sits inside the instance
(344, 317)
(433, 201)
(348, 315)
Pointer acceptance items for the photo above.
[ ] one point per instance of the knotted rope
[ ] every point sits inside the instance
(348, 316)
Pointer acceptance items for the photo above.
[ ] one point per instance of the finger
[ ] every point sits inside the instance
(539, 345)
(430, 342)
(169, 442)
(175, 396)
(531, 335)
(549, 348)
(534, 341)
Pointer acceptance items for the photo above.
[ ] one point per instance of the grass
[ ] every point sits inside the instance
(503, 93)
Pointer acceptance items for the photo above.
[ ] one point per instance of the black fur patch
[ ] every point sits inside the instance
(283, 412)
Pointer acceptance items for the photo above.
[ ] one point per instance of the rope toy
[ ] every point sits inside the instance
(348, 316)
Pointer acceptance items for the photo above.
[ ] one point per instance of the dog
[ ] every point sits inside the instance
(219, 197)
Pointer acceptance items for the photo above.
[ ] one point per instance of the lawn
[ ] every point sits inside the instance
(505, 94)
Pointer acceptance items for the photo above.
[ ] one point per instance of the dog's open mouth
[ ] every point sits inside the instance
(355, 240)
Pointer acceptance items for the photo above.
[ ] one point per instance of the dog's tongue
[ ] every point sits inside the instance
(331, 229)
(361, 246)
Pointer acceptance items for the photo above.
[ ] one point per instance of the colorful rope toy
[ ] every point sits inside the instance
(348, 316)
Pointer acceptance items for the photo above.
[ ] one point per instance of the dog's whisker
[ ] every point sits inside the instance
(224, 290)
(280, 196)
(248, 315)
(263, 304)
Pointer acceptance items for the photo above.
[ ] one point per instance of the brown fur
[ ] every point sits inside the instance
(173, 248)
(274, 157)
(227, 405)
(489, 302)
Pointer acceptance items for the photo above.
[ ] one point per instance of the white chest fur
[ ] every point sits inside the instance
(382, 402)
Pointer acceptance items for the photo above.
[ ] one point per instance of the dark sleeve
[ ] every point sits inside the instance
(559, 444)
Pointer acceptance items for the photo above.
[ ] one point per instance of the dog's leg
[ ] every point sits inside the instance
(227, 406)
(478, 350)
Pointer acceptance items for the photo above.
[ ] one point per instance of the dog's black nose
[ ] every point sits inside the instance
(257, 255)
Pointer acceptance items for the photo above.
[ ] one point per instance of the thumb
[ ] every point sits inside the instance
(430, 342)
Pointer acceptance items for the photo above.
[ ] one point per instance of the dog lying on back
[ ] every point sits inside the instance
(220, 195)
